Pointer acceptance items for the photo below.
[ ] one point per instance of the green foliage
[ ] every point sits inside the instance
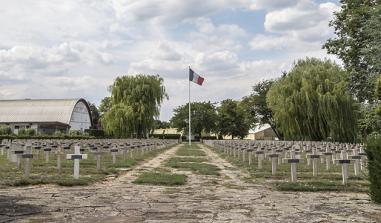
(204, 118)
(99, 133)
(165, 136)
(312, 102)
(94, 114)
(158, 178)
(256, 106)
(105, 105)
(358, 43)
(233, 119)
(373, 152)
(135, 104)
(76, 133)
(369, 121)
(27, 132)
(5, 130)
(161, 124)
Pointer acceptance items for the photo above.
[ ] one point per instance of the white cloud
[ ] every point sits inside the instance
(302, 27)
(75, 48)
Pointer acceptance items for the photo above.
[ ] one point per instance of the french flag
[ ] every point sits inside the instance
(195, 77)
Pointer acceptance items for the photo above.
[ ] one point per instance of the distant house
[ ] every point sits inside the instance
(264, 132)
(46, 116)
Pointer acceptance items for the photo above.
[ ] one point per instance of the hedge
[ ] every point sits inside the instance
(45, 137)
(373, 152)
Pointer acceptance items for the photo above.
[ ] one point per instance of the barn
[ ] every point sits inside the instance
(46, 116)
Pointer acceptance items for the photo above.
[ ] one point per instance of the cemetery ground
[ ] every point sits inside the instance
(190, 185)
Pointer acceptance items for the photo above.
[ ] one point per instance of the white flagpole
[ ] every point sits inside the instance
(189, 103)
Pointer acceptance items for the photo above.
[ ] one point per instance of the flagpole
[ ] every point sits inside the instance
(189, 103)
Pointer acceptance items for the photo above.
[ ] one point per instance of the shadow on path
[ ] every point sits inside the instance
(12, 208)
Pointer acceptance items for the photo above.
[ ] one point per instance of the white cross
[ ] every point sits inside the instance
(76, 157)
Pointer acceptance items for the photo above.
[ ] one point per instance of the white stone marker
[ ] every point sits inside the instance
(315, 157)
(27, 164)
(328, 158)
(260, 155)
(344, 162)
(293, 162)
(356, 158)
(274, 161)
(76, 157)
(47, 152)
(18, 154)
(113, 153)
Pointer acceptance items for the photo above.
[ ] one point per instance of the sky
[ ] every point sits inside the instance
(76, 48)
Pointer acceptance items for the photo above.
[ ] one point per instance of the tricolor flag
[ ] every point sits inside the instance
(195, 77)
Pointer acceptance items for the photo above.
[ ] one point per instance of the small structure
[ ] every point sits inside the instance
(46, 116)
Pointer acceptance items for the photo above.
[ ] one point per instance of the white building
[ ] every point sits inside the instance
(46, 116)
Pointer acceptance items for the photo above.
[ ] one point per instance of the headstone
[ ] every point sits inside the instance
(76, 157)
(293, 161)
(260, 155)
(27, 164)
(274, 161)
(47, 152)
(344, 162)
(113, 153)
(314, 157)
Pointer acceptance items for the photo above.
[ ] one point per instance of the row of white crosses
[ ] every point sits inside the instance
(23, 149)
(282, 151)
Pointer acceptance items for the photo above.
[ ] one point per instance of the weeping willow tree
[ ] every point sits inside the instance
(312, 102)
(135, 103)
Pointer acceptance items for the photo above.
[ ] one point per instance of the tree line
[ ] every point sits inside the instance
(316, 100)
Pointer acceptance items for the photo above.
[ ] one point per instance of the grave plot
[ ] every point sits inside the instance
(298, 166)
(72, 162)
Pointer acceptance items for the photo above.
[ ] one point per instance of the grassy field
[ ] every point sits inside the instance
(195, 162)
(193, 150)
(161, 178)
(47, 173)
(325, 181)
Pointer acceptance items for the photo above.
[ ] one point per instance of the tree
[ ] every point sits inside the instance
(204, 118)
(256, 106)
(94, 114)
(135, 103)
(105, 105)
(357, 26)
(312, 102)
(161, 124)
(233, 119)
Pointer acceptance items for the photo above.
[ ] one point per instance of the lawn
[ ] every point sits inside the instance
(330, 180)
(195, 163)
(192, 150)
(47, 173)
(161, 178)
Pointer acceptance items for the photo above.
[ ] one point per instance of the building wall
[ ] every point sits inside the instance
(80, 119)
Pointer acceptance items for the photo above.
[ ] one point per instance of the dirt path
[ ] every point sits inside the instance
(225, 198)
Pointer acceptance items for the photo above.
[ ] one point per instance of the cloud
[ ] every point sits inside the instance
(302, 27)
(77, 48)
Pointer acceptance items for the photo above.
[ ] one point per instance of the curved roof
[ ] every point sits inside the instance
(38, 110)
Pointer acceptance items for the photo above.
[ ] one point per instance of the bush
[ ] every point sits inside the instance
(165, 136)
(99, 133)
(27, 132)
(5, 130)
(373, 152)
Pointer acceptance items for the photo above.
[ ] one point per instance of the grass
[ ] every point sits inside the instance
(160, 178)
(46, 173)
(196, 167)
(330, 180)
(322, 185)
(192, 150)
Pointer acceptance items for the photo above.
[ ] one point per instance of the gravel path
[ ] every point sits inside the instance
(224, 198)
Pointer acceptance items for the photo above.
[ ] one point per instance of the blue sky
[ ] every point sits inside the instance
(76, 48)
